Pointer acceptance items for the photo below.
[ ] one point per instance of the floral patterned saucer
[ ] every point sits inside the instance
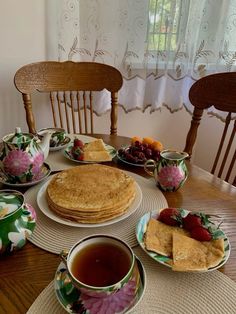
(43, 174)
(167, 261)
(123, 301)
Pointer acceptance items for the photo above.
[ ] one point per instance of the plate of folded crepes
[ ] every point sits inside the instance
(183, 240)
(92, 152)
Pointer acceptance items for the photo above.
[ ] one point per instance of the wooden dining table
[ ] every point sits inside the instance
(25, 273)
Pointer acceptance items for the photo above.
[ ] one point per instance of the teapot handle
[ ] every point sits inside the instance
(150, 163)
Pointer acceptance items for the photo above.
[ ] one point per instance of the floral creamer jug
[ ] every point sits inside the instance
(170, 172)
(22, 156)
(17, 221)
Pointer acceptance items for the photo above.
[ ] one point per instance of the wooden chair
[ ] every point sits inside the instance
(70, 86)
(218, 90)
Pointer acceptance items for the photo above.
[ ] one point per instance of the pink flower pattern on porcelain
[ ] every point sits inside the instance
(114, 303)
(37, 163)
(16, 162)
(171, 176)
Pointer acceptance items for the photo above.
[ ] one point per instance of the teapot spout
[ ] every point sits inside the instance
(45, 144)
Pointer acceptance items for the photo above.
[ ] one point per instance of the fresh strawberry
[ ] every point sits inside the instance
(76, 151)
(170, 216)
(80, 157)
(201, 234)
(191, 221)
(78, 143)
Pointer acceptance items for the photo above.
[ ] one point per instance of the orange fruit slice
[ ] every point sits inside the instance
(148, 140)
(156, 145)
(136, 139)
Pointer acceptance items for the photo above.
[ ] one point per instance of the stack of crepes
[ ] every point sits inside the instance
(187, 253)
(91, 193)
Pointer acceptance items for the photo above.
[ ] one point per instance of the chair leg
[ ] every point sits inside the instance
(114, 109)
(192, 133)
(29, 113)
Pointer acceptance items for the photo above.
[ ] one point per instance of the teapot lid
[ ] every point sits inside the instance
(19, 137)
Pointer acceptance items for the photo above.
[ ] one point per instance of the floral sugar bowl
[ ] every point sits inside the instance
(22, 156)
(17, 221)
(170, 172)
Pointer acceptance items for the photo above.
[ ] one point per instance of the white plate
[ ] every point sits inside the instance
(45, 169)
(110, 149)
(164, 260)
(43, 205)
(62, 145)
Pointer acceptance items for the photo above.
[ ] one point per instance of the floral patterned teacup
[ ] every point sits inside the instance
(58, 135)
(17, 221)
(99, 265)
(170, 172)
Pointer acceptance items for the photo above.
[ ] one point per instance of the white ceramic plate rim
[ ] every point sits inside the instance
(153, 214)
(55, 148)
(43, 206)
(141, 268)
(108, 147)
(28, 183)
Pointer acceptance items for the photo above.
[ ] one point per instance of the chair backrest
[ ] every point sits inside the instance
(218, 90)
(70, 86)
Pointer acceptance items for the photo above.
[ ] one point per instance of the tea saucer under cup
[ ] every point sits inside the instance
(8, 180)
(123, 301)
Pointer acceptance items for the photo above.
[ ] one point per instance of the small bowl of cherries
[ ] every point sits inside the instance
(140, 150)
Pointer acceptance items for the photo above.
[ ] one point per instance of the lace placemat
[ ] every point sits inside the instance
(54, 237)
(167, 292)
(57, 161)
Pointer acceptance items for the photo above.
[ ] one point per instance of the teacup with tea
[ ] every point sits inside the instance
(99, 265)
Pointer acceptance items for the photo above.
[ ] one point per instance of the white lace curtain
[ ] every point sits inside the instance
(160, 46)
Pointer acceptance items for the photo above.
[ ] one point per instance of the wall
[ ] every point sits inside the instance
(22, 37)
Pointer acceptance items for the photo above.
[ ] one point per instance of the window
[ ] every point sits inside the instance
(166, 22)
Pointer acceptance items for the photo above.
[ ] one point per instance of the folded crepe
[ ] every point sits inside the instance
(96, 151)
(188, 254)
(158, 237)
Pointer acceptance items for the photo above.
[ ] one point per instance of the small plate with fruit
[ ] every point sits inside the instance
(139, 151)
(183, 240)
(95, 151)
